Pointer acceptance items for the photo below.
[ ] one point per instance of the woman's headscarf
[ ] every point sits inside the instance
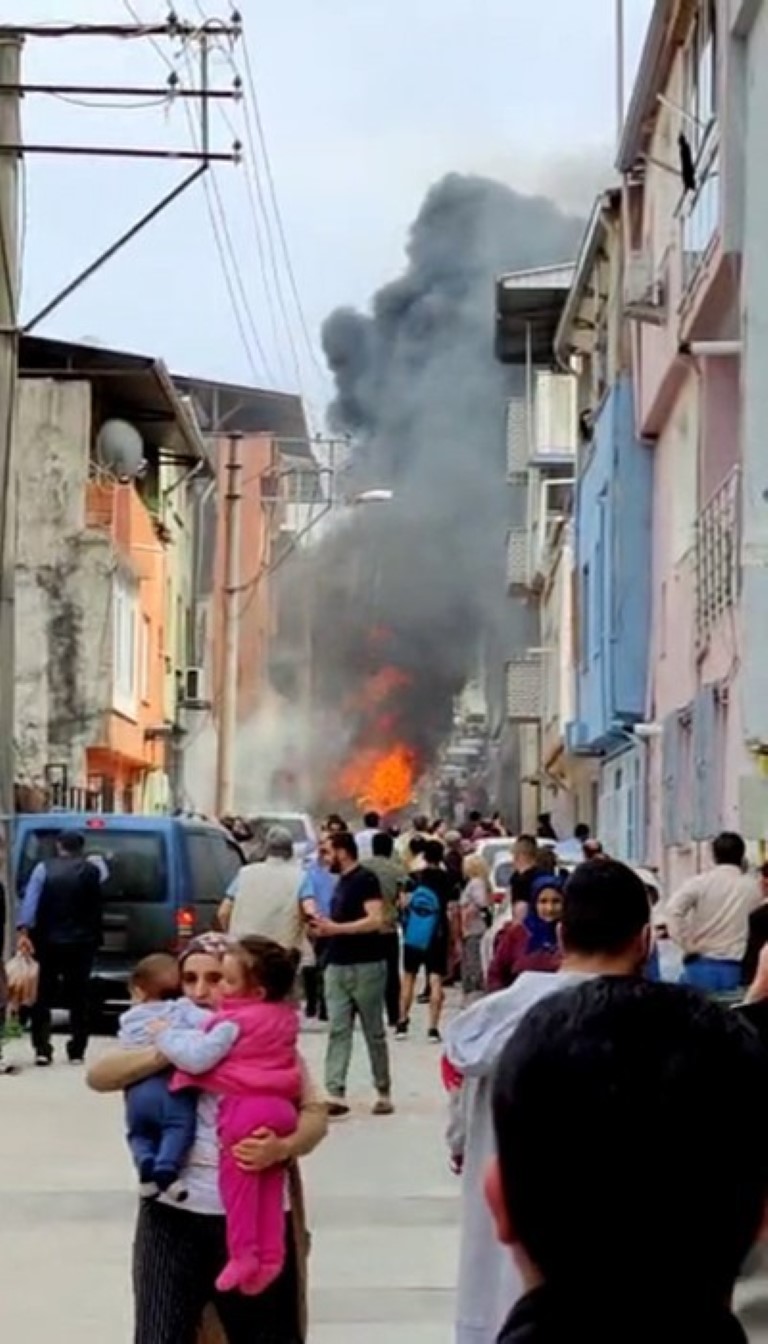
(207, 945)
(542, 933)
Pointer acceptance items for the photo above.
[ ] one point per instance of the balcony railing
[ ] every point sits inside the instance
(716, 556)
(518, 576)
(524, 687)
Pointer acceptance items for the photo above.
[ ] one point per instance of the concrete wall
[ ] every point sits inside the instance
(63, 585)
(755, 381)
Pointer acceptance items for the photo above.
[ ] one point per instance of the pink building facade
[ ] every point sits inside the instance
(685, 171)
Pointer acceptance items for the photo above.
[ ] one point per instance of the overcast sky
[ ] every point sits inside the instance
(364, 102)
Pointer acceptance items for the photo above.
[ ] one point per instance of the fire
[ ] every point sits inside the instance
(381, 780)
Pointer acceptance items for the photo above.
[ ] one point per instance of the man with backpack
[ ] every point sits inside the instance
(426, 936)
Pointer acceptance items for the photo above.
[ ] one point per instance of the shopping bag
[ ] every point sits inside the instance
(22, 974)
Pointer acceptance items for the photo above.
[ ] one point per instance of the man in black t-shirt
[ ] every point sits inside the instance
(355, 976)
(433, 958)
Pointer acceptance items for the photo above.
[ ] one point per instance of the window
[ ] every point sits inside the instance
(125, 640)
(145, 660)
(135, 861)
(701, 216)
(701, 76)
(214, 862)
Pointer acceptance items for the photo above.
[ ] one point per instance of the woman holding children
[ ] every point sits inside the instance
(187, 1245)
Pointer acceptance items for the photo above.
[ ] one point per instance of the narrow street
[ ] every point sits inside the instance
(383, 1206)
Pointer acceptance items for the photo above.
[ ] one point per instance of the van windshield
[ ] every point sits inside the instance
(134, 862)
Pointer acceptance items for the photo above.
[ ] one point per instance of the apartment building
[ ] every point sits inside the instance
(541, 459)
(612, 549)
(96, 557)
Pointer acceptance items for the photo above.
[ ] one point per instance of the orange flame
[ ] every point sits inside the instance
(382, 780)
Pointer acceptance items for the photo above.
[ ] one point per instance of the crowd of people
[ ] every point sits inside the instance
(569, 1070)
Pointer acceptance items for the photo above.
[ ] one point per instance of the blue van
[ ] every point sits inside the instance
(164, 878)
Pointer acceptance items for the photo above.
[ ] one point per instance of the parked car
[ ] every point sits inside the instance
(164, 878)
(492, 849)
(299, 824)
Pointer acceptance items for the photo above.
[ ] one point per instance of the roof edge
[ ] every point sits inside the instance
(583, 269)
(647, 80)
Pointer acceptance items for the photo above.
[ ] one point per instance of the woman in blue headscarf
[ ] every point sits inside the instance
(532, 945)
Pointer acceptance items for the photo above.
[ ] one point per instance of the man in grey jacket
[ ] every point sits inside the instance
(605, 930)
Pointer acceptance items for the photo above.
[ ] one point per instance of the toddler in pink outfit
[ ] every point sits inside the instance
(255, 1074)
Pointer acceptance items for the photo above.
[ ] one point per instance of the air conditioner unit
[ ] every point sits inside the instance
(194, 686)
(645, 297)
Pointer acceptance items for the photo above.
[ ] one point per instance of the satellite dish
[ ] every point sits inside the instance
(120, 450)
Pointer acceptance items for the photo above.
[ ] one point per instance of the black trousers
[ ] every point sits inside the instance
(392, 992)
(64, 967)
(177, 1257)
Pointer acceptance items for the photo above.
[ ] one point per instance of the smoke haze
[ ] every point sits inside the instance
(413, 583)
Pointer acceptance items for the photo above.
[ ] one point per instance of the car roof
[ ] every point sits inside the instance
(114, 821)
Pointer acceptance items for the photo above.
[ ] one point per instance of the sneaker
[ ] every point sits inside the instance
(7, 1070)
(401, 1030)
(337, 1110)
(383, 1107)
(43, 1061)
(433, 1035)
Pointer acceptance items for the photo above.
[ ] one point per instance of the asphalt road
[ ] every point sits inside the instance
(383, 1210)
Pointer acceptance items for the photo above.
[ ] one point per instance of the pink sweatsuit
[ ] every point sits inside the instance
(259, 1085)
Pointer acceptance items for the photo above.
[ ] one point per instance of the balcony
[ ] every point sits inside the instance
(542, 424)
(716, 558)
(551, 503)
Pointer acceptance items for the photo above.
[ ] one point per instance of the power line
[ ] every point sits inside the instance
(276, 204)
(233, 280)
(260, 207)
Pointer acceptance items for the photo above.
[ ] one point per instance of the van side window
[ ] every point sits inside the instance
(213, 864)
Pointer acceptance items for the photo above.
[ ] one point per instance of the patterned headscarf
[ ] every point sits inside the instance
(208, 945)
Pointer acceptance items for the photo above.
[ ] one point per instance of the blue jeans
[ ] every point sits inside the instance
(716, 977)
(161, 1127)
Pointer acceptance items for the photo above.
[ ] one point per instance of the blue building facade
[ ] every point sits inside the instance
(613, 572)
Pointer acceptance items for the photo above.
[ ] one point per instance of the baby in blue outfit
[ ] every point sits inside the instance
(161, 1124)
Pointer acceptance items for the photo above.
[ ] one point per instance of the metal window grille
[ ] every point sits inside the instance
(717, 557)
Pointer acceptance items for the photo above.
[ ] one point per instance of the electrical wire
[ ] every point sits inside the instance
(241, 308)
(250, 78)
(121, 106)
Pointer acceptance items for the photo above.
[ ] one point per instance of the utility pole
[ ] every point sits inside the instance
(10, 133)
(225, 759)
(619, 54)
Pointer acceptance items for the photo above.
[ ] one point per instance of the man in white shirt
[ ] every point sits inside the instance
(364, 838)
(605, 930)
(708, 918)
(263, 900)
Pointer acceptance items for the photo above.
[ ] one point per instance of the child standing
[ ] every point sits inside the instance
(257, 1080)
(161, 1123)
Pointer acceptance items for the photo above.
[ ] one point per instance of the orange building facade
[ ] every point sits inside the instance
(129, 758)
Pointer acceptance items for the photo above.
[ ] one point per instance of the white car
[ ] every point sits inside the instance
(299, 825)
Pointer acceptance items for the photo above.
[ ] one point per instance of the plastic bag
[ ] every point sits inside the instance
(22, 973)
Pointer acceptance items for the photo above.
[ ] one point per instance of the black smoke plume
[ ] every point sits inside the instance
(417, 582)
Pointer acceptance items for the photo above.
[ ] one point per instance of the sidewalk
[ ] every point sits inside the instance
(383, 1209)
